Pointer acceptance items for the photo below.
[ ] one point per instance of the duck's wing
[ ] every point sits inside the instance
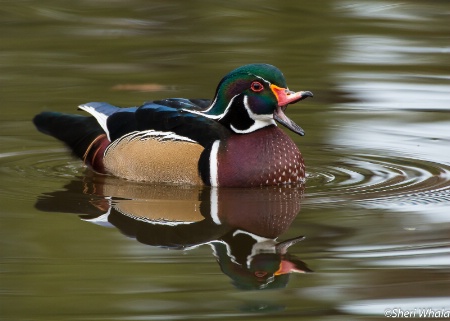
(183, 103)
(116, 126)
(181, 121)
(165, 116)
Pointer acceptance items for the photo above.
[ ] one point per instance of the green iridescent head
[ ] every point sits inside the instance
(257, 92)
(252, 80)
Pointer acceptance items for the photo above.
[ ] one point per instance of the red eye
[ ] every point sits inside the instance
(260, 274)
(256, 86)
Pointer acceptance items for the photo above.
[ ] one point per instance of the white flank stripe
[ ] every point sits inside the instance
(212, 105)
(164, 136)
(101, 118)
(213, 164)
(149, 134)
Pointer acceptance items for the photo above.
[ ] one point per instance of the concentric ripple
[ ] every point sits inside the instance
(53, 163)
(372, 181)
(24, 171)
(377, 181)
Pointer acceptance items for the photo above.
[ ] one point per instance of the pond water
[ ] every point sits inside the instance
(368, 232)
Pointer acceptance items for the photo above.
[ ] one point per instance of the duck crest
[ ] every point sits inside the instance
(231, 141)
(236, 82)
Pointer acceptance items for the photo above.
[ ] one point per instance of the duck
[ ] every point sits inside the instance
(232, 140)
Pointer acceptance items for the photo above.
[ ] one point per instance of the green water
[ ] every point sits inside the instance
(375, 212)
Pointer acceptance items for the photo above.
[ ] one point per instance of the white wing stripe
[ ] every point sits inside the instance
(101, 118)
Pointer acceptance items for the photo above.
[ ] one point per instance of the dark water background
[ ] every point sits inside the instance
(376, 208)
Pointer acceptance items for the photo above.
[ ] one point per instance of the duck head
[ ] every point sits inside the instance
(252, 97)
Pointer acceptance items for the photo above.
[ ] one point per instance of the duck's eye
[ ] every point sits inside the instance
(256, 86)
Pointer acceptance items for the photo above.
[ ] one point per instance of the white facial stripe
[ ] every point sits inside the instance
(202, 113)
(257, 125)
(261, 121)
(218, 117)
(212, 105)
(259, 77)
(213, 164)
(266, 81)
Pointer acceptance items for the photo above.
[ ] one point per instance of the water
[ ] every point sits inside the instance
(374, 211)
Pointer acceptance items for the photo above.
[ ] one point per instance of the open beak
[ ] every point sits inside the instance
(286, 97)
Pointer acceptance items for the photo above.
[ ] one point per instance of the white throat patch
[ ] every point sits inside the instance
(261, 121)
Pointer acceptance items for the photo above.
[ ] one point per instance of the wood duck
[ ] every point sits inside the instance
(232, 140)
(241, 225)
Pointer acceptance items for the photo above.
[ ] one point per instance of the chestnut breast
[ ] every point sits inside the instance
(265, 157)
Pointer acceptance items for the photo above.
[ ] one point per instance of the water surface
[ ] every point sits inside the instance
(374, 211)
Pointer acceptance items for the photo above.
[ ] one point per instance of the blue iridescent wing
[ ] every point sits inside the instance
(181, 121)
(168, 115)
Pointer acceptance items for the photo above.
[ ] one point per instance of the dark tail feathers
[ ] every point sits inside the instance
(78, 132)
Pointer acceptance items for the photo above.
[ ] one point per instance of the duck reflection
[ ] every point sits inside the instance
(241, 225)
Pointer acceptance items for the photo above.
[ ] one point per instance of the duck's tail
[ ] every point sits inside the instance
(84, 136)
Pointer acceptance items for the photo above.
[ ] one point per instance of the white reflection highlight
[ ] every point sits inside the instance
(378, 50)
(383, 10)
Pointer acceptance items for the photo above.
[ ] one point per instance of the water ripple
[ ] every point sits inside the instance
(381, 182)
(24, 171)
(371, 181)
(431, 254)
